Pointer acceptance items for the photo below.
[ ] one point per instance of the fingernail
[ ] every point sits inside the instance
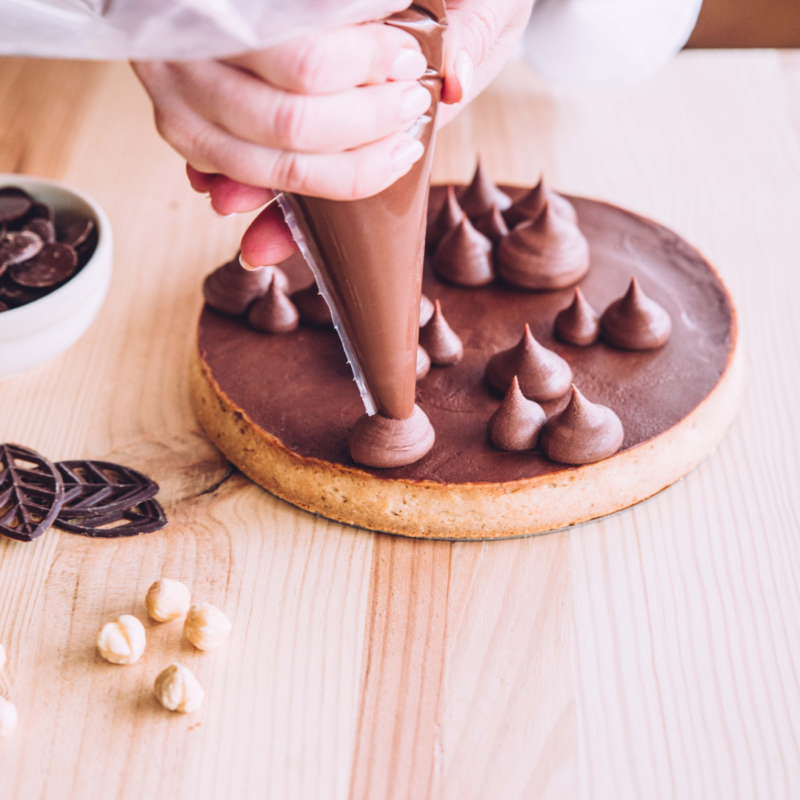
(405, 154)
(416, 100)
(408, 66)
(224, 216)
(246, 265)
(465, 71)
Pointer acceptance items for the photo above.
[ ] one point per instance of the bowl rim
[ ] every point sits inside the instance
(104, 241)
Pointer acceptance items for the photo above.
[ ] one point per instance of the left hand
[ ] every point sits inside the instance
(480, 38)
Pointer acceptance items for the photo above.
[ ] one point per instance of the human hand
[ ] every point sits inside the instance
(212, 112)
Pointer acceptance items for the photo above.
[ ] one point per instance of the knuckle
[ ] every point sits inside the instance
(309, 65)
(293, 173)
(290, 123)
(483, 28)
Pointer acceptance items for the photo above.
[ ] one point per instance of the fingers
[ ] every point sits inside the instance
(254, 111)
(479, 38)
(349, 175)
(199, 181)
(315, 64)
(268, 240)
(232, 197)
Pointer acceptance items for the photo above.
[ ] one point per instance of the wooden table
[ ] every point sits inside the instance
(653, 654)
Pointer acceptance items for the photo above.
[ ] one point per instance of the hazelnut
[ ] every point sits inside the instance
(178, 690)
(206, 627)
(167, 599)
(2, 657)
(121, 641)
(8, 717)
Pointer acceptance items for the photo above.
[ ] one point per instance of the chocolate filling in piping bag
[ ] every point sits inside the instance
(367, 255)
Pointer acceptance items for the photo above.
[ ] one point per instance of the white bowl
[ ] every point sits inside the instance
(36, 332)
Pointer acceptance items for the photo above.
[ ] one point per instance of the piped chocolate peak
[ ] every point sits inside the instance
(517, 423)
(582, 433)
(274, 312)
(531, 205)
(492, 225)
(464, 257)
(448, 218)
(367, 254)
(550, 253)
(482, 194)
(578, 322)
(635, 322)
(542, 374)
(231, 288)
(383, 443)
(313, 309)
(441, 342)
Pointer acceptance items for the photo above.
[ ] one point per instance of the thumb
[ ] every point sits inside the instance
(471, 29)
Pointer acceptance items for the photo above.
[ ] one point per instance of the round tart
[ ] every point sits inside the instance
(281, 406)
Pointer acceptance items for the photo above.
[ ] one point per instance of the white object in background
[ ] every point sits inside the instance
(8, 717)
(170, 29)
(591, 42)
(36, 332)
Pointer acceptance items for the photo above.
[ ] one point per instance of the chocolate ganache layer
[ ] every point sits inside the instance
(298, 387)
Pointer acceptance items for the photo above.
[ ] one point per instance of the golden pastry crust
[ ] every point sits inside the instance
(430, 510)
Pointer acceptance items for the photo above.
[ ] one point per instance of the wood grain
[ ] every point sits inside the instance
(652, 654)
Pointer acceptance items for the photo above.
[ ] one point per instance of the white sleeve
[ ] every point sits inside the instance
(606, 41)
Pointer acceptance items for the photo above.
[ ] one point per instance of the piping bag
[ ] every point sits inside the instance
(367, 255)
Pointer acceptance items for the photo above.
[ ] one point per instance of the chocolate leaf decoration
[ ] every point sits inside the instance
(146, 517)
(31, 493)
(100, 488)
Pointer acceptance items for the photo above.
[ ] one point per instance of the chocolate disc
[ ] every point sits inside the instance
(14, 203)
(54, 264)
(76, 233)
(43, 228)
(18, 246)
(99, 488)
(31, 493)
(40, 211)
(145, 517)
(14, 296)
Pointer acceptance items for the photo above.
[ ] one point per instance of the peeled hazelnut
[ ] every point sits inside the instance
(8, 717)
(2, 657)
(121, 641)
(178, 690)
(206, 627)
(167, 599)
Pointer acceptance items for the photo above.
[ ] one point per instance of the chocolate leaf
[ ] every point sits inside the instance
(31, 493)
(146, 517)
(101, 488)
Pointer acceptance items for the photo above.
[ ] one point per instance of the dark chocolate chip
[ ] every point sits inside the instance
(41, 211)
(53, 264)
(43, 228)
(14, 296)
(14, 203)
(99, 488)
(77, 232)
(18, 246)
(146, 517)
(31, 493)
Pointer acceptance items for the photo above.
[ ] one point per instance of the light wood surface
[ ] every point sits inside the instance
(653, 654)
